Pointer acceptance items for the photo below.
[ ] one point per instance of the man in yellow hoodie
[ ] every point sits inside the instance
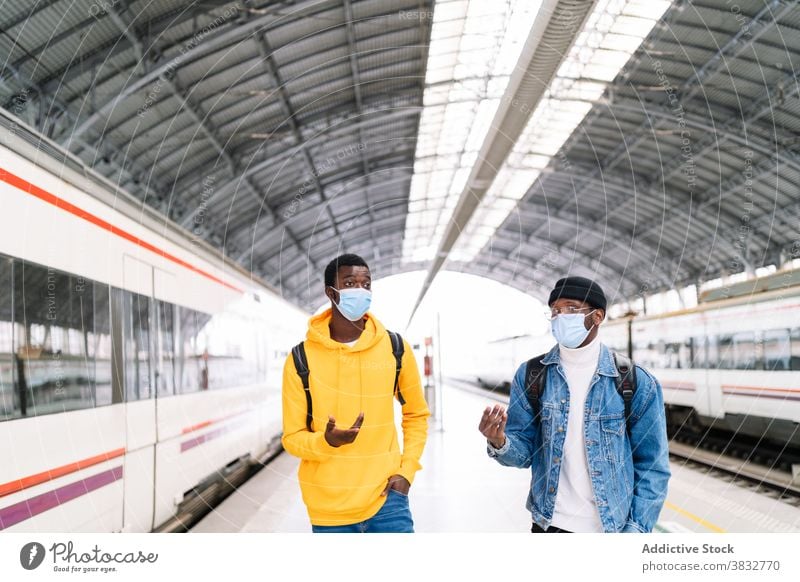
(353, 479)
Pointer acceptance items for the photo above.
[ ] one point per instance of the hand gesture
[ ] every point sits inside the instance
(493, 425)
(337, 437)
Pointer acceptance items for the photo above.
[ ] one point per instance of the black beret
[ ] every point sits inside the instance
(581, 289)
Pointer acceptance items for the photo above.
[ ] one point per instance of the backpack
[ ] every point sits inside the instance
(536, 375)
(301, 365)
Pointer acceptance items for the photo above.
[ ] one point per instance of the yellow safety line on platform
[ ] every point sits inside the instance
(694, 517)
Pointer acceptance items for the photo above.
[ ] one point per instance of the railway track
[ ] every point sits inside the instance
(765, 478)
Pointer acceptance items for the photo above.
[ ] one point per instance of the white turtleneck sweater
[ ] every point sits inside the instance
(575, 509)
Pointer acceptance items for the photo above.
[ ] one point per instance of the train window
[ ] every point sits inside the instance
(777, 349)
(55, 313)
(137, 349)
(686, 354)
(712, 352)
(231, 352)
(192, 360)
(99, 343)
(9, 396)
(659, 352)
(644, 354)
(744, 350)
(165, 349)
(725, 346)
(794, 359)
(672, 355)
(700, 359)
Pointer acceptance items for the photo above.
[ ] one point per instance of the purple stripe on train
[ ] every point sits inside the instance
(29, 508)
(210, 435)
(199, 440)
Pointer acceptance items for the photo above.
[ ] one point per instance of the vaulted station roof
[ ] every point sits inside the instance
(660, 149)
(686, 169)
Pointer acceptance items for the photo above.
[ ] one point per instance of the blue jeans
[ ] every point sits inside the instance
(393, 517)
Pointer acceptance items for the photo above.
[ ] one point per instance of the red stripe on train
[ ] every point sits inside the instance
(25, 186)
(50, 474)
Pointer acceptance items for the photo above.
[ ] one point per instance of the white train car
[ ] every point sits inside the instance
(136, 365)
(498, 360)
(732, 362)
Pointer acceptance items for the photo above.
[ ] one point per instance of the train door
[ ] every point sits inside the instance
(175, 407)
(714, 352)
(135, 306)
(164, 328)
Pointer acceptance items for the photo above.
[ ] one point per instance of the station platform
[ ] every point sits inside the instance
(460, 489)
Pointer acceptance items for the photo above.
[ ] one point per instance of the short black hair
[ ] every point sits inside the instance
(346, 260)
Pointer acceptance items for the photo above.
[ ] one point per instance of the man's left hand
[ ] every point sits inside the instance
(398, 483)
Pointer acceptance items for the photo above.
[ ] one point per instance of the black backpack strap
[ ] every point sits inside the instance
(626, 383)
(535, 376)
(301, 365)
(397, 349)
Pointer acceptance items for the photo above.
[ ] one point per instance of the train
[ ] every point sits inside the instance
(730, 364)
(140, 371)
(496, 361)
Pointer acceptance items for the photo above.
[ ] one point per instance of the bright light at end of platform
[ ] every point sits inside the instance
(471, 311)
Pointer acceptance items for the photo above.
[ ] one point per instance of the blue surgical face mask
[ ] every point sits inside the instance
(353, 303)
(568, 329)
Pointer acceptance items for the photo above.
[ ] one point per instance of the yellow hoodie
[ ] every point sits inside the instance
(342, 485)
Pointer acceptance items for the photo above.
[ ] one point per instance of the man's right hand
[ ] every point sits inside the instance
(336, 437)
(493, 425)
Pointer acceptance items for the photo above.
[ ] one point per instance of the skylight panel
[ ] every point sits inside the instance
(474, 47)
(614, 31)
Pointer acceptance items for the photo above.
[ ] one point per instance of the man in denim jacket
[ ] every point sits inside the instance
(590, 473)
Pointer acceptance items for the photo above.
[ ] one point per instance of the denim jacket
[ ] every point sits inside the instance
(629, 473)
